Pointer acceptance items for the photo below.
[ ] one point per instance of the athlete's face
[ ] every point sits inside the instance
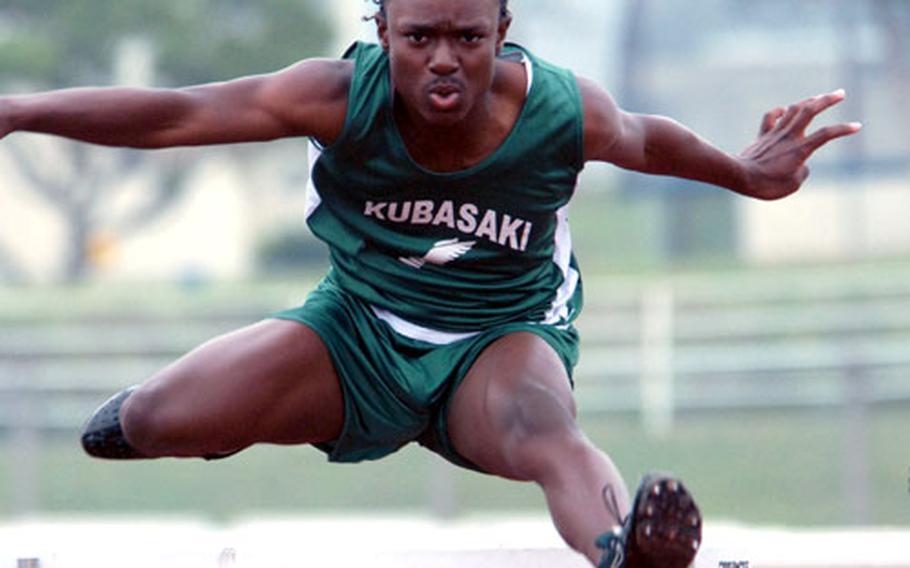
(442, 54)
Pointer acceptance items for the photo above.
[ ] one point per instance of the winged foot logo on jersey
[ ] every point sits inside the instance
(442, 253)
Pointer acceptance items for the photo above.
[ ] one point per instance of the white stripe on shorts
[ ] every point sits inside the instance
(413, 331)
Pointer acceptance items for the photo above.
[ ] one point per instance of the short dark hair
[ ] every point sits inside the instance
(503, 8)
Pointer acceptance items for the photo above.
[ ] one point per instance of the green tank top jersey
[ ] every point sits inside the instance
(457, 252)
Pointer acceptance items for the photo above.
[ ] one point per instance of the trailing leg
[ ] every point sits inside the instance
(272, 382)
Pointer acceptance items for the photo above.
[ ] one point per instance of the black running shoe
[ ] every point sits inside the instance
(663, 530)
(102, 436)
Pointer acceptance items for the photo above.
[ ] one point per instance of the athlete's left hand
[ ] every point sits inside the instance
(775, 164)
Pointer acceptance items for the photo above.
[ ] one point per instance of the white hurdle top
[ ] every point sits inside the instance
(405, 542)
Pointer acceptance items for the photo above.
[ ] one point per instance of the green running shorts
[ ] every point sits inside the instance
(397, 385)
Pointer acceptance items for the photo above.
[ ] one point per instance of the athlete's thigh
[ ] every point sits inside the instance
(518, 388)
(270, 382)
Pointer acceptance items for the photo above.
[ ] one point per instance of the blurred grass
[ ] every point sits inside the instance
(769, 467)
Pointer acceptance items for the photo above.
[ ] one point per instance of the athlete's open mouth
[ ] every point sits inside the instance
(445, 96)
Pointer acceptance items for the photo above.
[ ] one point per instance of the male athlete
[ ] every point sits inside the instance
(444, 160)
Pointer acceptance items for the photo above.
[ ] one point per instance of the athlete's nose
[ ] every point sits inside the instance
(443, 59)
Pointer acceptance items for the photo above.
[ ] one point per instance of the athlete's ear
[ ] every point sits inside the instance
(382, 31)
(502, 31)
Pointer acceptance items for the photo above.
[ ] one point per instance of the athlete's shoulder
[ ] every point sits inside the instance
(312, 94)
(327, 79)
(602, 120)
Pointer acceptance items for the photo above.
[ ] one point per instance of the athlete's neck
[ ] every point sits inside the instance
(459, 146)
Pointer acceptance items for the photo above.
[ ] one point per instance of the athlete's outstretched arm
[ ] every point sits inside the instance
(773, 167)
(306, 99)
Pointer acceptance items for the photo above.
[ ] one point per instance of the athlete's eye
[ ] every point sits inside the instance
(416, 37)
(470, 37)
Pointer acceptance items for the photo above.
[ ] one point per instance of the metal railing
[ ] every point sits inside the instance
(656, 346)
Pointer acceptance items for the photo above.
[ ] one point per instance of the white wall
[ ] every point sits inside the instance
(208, 234)
(30, 232)
(828, 222)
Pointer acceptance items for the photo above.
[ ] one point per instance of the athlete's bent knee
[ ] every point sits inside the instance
(535, 410)
(533, 422)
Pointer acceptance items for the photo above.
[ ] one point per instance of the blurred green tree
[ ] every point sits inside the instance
(58, 43)
(47, 44)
